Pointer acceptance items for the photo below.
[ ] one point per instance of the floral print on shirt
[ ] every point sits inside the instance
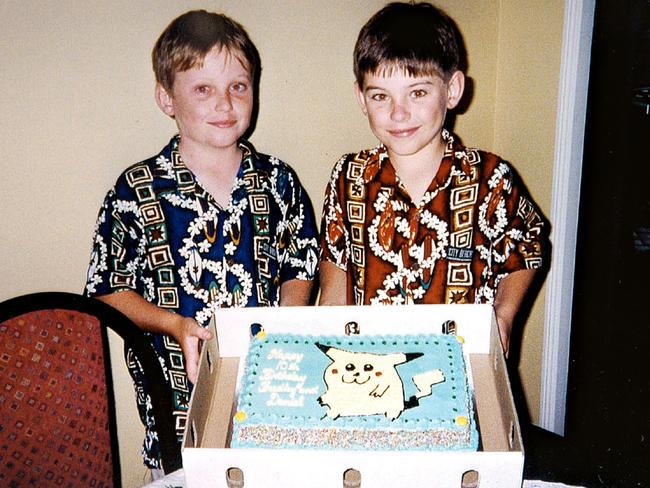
(475, 224)
(159, 233)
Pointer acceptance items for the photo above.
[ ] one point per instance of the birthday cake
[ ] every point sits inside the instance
(355, 392)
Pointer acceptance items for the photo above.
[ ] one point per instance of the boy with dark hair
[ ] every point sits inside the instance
(208, 222)
(421, 218)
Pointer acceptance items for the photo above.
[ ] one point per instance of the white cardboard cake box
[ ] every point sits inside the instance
(207, 457)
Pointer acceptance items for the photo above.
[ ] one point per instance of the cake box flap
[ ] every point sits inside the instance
(468, 321)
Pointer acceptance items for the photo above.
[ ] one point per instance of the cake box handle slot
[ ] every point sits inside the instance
(470, 479)
(256, 328)
(449, 327)
(234, 478)
(352, 328)
(351, 478)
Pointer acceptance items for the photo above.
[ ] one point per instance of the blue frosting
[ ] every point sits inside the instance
(284, 378)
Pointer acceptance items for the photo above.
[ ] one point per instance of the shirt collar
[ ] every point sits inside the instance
(185, 179)
(376, 164)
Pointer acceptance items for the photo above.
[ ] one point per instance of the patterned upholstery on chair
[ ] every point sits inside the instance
(54, 413)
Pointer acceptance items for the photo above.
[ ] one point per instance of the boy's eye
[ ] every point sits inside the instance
(379, 97)
(239, 87)
(203, 90)
(418, 93)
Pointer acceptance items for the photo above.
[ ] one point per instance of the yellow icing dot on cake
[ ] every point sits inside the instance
(461, 420)
(260, 335)
(240, 416)
(460, 339)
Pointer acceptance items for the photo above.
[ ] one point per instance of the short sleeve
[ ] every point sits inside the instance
(513, 221)
(114, 261)
(299, 235)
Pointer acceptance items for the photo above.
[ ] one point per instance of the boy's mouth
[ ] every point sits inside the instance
(403, 132)
(223, 124)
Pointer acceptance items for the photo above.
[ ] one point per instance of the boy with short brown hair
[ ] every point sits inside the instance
(208, 222)
(422, 218)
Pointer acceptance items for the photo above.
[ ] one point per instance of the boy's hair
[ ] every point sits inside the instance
(415, 37)
(188, 38)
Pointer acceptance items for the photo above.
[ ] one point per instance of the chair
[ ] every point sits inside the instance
(57, 409)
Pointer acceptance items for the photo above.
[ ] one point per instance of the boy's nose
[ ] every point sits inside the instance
(399, 112)
(223, 102)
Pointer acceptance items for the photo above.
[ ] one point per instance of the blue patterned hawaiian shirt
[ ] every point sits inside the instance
(161, 234)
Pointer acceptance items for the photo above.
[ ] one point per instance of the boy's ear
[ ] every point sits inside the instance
(455, 88)
(164, 100)
(360, 98)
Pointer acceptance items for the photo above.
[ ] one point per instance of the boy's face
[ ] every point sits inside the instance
(407, 113)
(211, 104)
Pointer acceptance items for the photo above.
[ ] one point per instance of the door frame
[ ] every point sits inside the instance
(567, 172)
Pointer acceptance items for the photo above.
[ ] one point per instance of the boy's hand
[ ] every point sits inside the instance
(151, 318)
(510, 295)
(189, 336)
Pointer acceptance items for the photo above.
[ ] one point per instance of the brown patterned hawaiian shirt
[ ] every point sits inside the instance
(475, 224)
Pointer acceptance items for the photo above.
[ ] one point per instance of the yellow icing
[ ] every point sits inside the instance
(260, 335)
(460, 339)
(461, 420)
(240, 416)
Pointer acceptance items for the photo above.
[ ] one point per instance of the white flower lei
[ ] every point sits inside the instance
(501, 219)
(219, 269)
(392, 280)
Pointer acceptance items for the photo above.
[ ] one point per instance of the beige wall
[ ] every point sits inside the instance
(528, 67)
(76, 92)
